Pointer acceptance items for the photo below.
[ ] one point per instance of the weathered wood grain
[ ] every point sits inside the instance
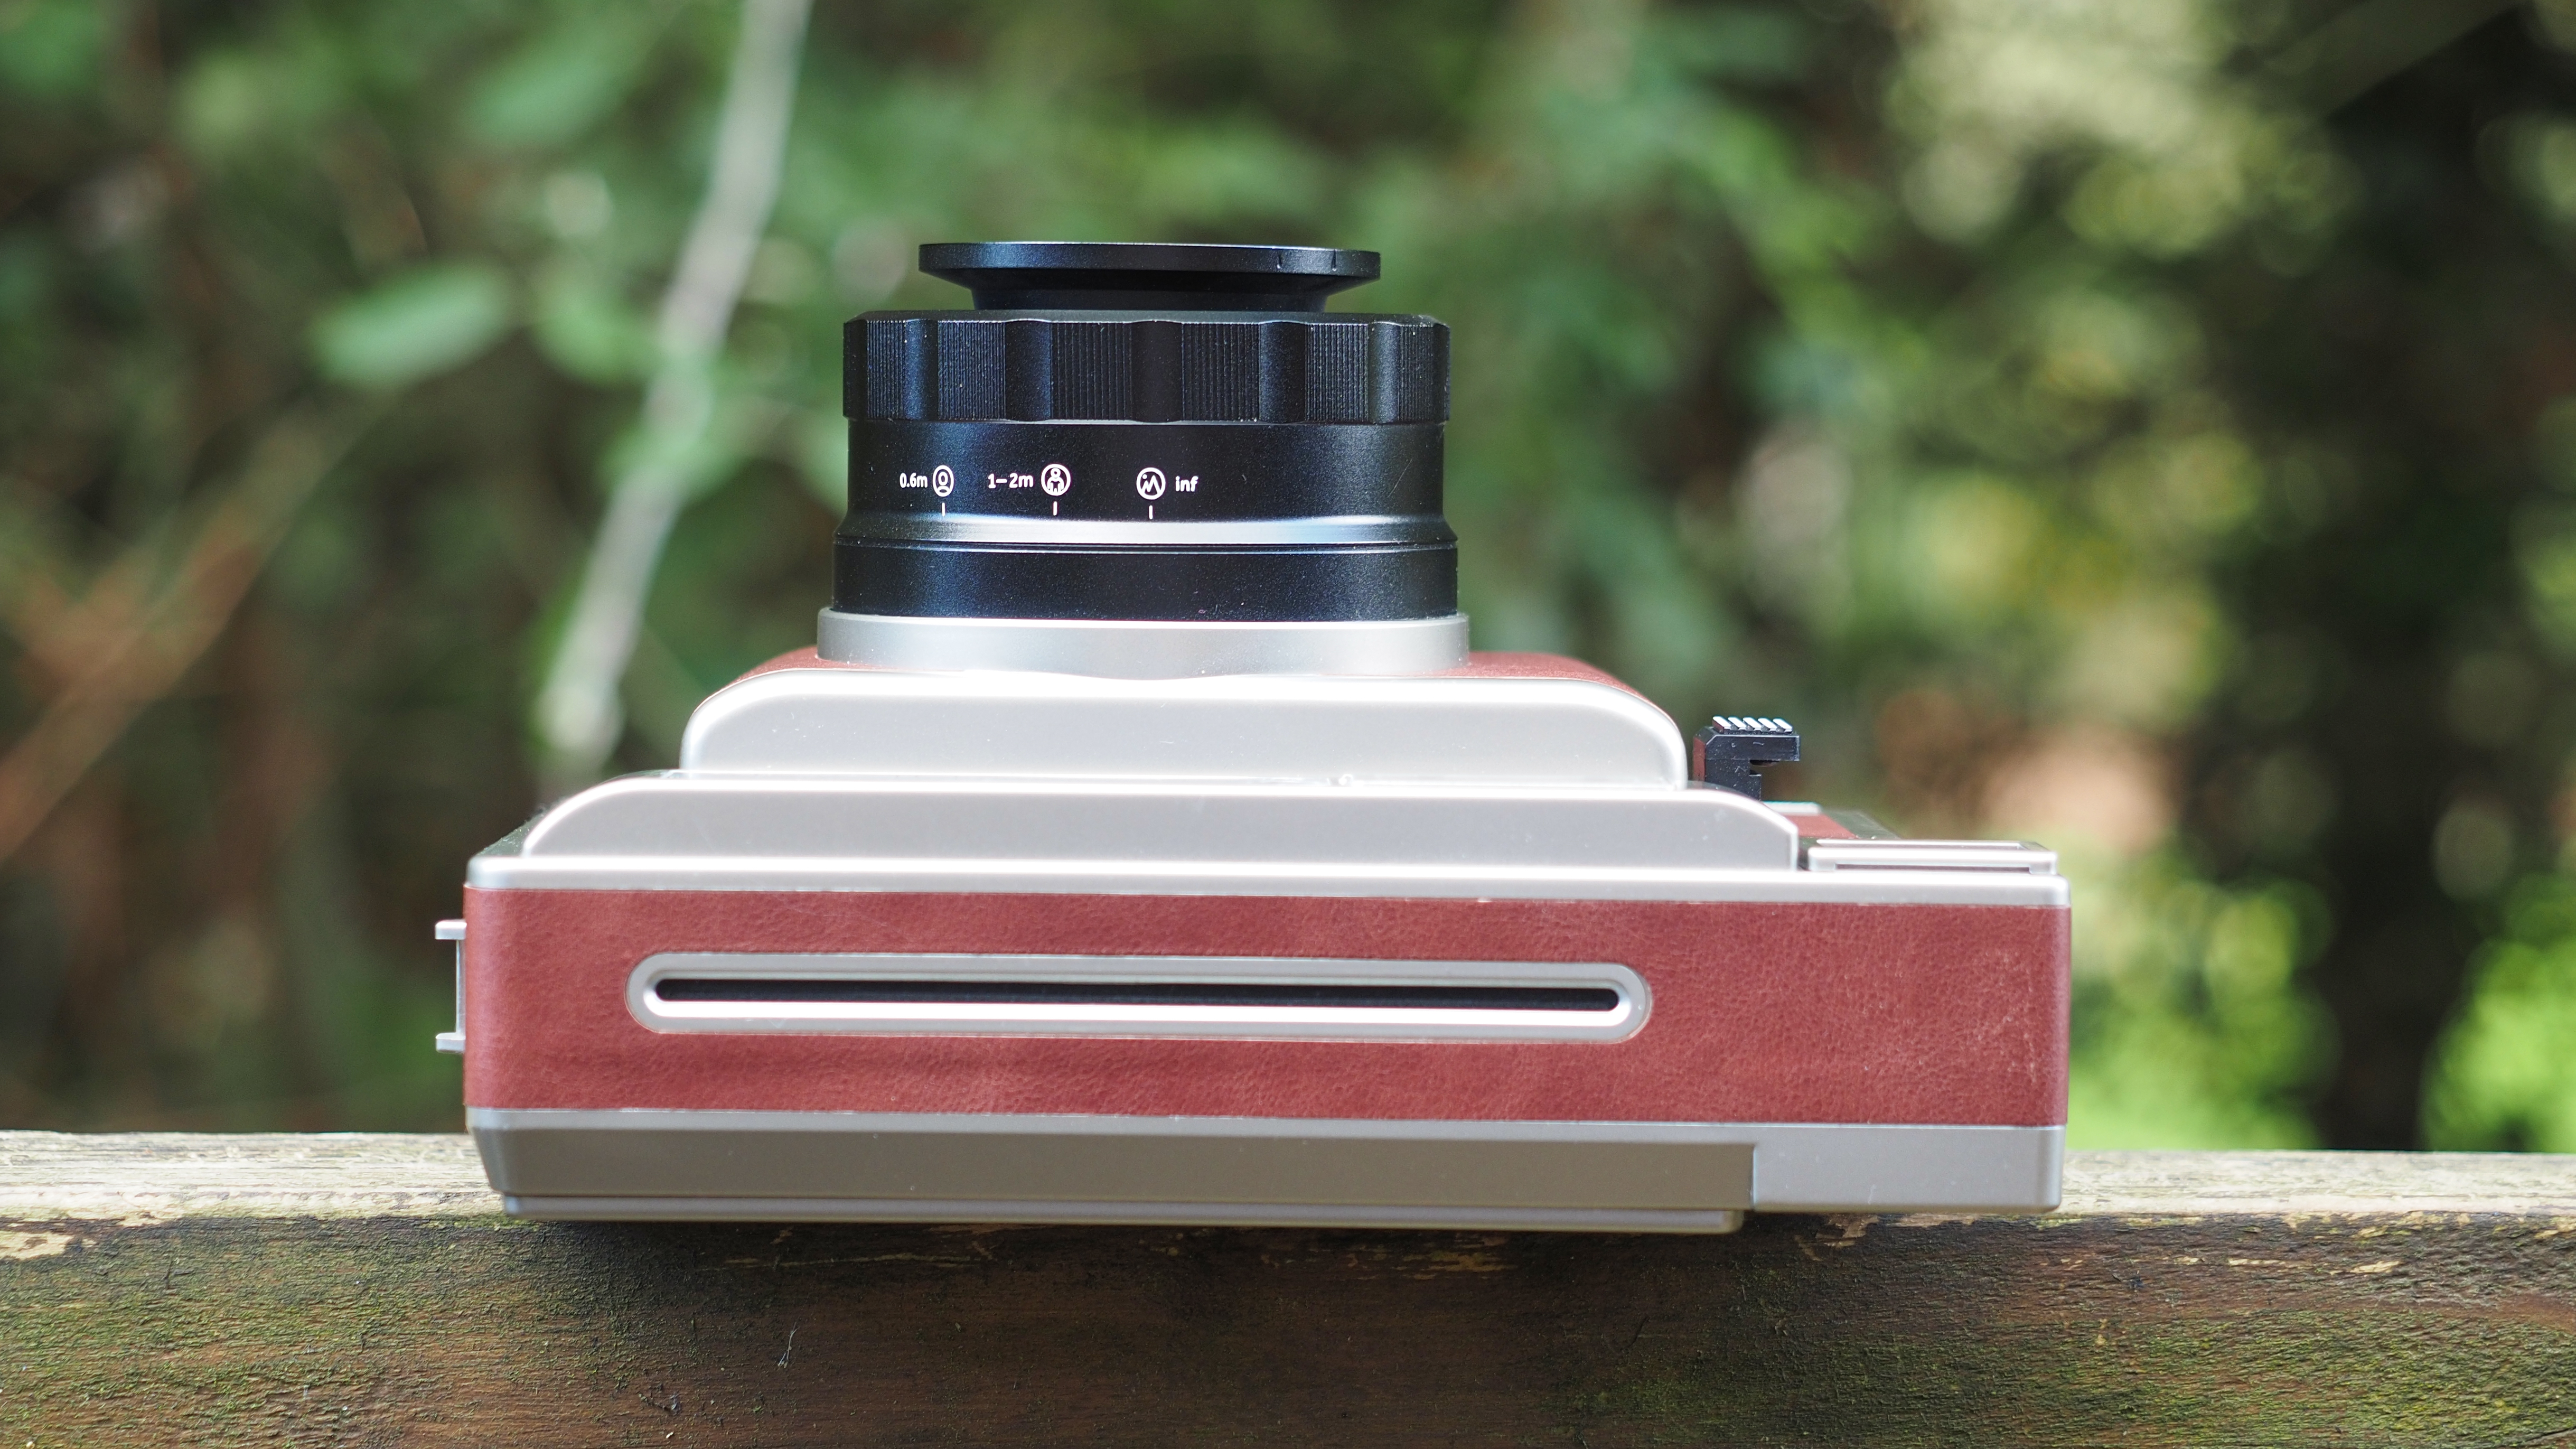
(365, 1290)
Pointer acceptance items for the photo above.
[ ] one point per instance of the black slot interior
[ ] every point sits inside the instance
(1135, 993)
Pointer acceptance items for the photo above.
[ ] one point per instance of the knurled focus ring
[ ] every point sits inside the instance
(970, 367)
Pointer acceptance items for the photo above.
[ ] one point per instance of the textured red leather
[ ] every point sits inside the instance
(1490, 665)
(1761, 1012)
(804, 658)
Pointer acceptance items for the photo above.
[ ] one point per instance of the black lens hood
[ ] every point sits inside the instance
(1147, 276)
(1163, 440)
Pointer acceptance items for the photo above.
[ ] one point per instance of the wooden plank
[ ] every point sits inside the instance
(366, 1290)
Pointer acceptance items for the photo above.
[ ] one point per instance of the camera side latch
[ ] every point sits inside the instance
(454, 1041)
(1731, 751)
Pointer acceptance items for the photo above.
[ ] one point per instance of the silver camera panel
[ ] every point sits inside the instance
(1446, 786)
(681, 832)
(1255, 727)
(973, 1167)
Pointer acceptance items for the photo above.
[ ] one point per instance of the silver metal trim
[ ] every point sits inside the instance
(1227, 878)
(1310, 1023)
(1023, 1167)
(1893, 854)
(1241, 532)
(1820, 1167)
(1144, 649)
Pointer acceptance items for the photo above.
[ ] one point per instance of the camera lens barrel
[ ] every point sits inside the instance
(1146, 434)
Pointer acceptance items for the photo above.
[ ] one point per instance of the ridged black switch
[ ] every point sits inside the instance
(1731, 750)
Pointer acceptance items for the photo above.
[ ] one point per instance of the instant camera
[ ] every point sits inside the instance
(1141, 843)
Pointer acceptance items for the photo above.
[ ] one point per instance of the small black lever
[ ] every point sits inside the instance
(1734, 747)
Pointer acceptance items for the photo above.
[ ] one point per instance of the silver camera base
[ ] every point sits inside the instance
(1244, 1171)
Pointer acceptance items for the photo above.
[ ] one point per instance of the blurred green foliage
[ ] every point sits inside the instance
(2147, 428)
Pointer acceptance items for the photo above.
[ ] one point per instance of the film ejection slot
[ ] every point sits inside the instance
(1125, 996)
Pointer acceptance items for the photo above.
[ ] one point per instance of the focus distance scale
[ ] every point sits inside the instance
(1124, 436)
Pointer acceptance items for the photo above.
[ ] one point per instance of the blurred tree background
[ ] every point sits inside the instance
(2147, 428)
